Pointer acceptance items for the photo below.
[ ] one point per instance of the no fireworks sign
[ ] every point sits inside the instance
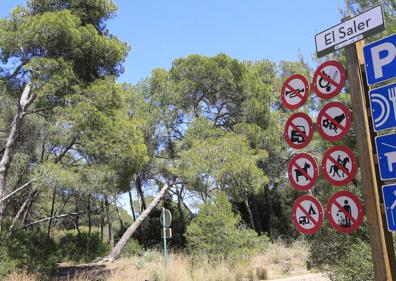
(295, 91)
(303, 171)
(334, 121)
(329, 79)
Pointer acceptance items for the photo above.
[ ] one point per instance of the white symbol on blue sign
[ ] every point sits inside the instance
(383, 107)
(386, 152)
(389, 193)
(380, 60)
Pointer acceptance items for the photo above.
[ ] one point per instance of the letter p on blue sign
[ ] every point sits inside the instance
(380, 60)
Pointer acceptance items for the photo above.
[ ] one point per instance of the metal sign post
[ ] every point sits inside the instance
(166, 219)
(380, 239)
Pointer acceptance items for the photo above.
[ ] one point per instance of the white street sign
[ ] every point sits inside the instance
(350, 31)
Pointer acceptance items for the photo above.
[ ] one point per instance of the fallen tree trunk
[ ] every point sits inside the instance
(116, 252)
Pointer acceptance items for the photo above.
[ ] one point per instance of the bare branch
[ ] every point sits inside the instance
(18, 189)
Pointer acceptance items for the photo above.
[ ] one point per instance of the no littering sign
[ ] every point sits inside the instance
(344, 212)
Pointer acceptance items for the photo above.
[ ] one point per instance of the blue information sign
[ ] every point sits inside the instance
(389, 193)
(386, 153)
(383, 107)
(380, 60)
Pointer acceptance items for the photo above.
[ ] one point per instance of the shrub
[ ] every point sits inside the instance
(214, 232)
(32, 250)
(132, 248)
(81, 247)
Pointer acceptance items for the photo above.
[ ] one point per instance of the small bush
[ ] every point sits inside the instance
(81, 247)
(33, 251)
(132, 248)
(214, 233)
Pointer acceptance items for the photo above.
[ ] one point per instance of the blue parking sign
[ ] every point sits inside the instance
(386, 153)
(389, 194)
(380, 60)
(383, 107)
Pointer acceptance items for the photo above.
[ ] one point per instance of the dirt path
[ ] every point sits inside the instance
(306, 277)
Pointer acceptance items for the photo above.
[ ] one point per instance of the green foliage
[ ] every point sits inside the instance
(81, 247)
(132, 248)
(32, 251)
(216, 233)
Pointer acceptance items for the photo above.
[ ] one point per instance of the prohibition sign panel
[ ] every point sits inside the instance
(298, 130)
(339, 165)
(334, 121)
(295, 91)
(344, 212)
(303, 171)
(307, 214)
(328, 80)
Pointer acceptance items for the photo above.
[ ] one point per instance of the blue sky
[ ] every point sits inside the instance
(160, 31)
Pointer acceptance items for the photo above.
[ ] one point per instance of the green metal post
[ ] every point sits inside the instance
(164, 235)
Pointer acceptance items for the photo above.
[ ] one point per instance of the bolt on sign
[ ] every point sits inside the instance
(303, 171)
(298, 130)
(334, 121)
(295, 91)
(344, 212)
(307, 214)
(329, 79)
(339, 165)
(350, 31)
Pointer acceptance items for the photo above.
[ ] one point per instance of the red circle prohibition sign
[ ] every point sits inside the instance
(339, 165)
(344, 212)
(303, 171)
(298, 130)
(334, 121)
(295, 91)
(307, 214)
(328, 79)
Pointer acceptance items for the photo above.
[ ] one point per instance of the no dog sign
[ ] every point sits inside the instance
(303, 171)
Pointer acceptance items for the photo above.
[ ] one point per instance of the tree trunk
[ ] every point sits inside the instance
(181, 215)
(52, 212)
(109, 224)
(119, 217)
(89, 215)
(139, 188)
(250, 215)
(116, 252)
(26, 99)
(20, 211)
(268, 196)
(131, 202)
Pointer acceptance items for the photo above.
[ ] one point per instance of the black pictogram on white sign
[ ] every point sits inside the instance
(328, 80)
(303, 171)
(295, 91)
(298, 130)
(339, 165)
(307, 214)
(344, 212)
(334, 121)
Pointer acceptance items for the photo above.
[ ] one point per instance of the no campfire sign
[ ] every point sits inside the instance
(307, 214)
(298, 130)
(344, 212)
(295, 91)
(339, 165)
(334, 121)
(328, 80)
(303, 171)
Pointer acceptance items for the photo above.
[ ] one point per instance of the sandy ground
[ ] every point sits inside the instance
(306, 277)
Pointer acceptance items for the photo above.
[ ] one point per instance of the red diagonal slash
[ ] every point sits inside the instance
(298, 130)
(338, 205)
(302, 171)
(346, 171)
(328, 79)
(297, 93)
(306, 213)
(339, 125)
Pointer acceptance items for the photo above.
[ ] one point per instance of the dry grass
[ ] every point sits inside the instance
(22, 276)
(278, 261)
